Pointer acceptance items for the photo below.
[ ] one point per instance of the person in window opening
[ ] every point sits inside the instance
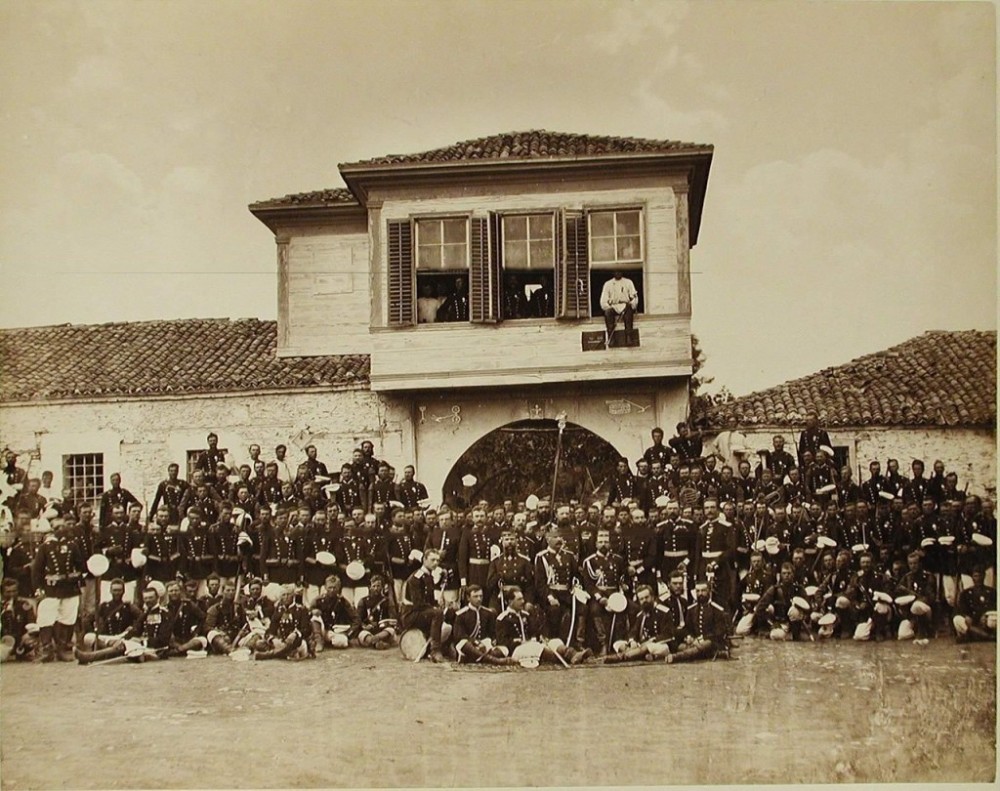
(618, 298)
(428, 305)
(515, 304)
(456, 304)
(540, 304)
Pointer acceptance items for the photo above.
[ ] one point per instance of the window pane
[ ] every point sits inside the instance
(628, 223)
(541, 254)
(541, 226)
(429, 231)
(602, 224)
(429, 257)
(628, 248)
(515, 255)
(515, 228)
(603, 249)
(454, 231)
(455, 256)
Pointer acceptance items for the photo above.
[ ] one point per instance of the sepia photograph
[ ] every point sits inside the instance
(465, 393)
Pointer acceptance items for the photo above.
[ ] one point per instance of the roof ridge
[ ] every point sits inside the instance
(129, 323)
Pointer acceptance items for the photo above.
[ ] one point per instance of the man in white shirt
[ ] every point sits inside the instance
(427, 305)
(618, 298)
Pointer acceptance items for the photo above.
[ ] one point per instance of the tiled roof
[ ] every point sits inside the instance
(330, 197)
(534, 144)
(936, 379)
(160, 358)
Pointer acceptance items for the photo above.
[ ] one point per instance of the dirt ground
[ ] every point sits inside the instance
(793, 713)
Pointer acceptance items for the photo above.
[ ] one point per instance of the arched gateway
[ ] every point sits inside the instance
(519, 459)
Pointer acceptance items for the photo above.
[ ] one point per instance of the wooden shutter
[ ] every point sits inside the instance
(572, 269)
(484, 272)
(402, 303)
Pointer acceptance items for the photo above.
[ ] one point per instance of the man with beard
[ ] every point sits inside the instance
(410, 492)
(706, 629)
(16, 614)
(226, 623)
(288, 632)
(715, 544)
(604, 573)
(921, 585)
(652, 632)
(116, 542)
(517, 627)
(197, 561)
(377, 616)
(320, 537)
(556, 571)
(510, 568)
(474, 551)
(622, 485)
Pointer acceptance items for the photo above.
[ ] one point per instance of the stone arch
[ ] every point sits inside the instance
(517, 458)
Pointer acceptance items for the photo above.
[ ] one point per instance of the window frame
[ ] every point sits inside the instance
(615, 209)
(466, 217)
(92, 469)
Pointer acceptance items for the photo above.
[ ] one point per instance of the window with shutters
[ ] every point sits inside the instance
(616, 244)
(442, 269)
(528, 247)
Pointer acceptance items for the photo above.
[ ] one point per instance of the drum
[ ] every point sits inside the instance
(412, 644)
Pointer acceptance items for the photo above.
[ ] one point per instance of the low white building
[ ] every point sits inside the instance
(931, 397)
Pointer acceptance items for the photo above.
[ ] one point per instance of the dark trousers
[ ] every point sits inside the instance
(428, 620)
(610, 315)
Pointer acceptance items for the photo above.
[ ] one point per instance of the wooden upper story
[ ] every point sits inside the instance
(482, 264)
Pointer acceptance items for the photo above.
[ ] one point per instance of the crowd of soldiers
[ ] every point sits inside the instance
(261, 561)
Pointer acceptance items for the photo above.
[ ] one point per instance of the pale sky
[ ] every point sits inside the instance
(851, 203)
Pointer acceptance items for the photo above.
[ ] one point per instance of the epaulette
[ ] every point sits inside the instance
(420, 572)
(503, 615)
(718, 606)
(662, 608)
(692, 606)
(522, 555)
(463, 609)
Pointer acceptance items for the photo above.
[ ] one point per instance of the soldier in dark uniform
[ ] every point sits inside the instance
(410, 492)
(187, 620)
(281, 553)
(870, 489)
(604, 573)
(687, 444)
(861, 593)
(746, 481)
(269, 490)
(637, 545)
(812, 437)
(975, 614)
(715, 544)
(474, 552)
(313, 465)
(657, 452)
(378, 616)
(197, 561)
(320, 537)
(917, 487)
(161, 547)
(116, 495)
(556, 571)
(352, 491)
(847, 490)
(115, 618)
(651, 634)
(446, 537)
(474, 632)
(213, 595)
(921, 584)
(510, 568)
(622, 485)
(775, 610)
(706, 628)
(516, 626)
(382, 489)
(208, 460)
(152, 632)
(116, 541)
(15, 615)
(222, 544)
(226, 622)
(335, 619)
(289, 630)
(57, 574)
(417, 606)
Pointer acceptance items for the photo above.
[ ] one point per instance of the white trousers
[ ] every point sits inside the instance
(52, 610)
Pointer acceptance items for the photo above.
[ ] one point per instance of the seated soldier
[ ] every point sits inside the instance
(186, 622)
(114, 619)
(16, 618)
(517, 627)
(775, 610)
(335, 621)
(651, 633)
(149, 638)
(226, 624)
(705, 628)
(377, 616)
(418, 609)
(975, 615)
(474, 631)
(288, 633)
(918, 615)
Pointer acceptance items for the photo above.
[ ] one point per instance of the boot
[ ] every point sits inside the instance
(63, 638)
(684, 655)
(579, 656)
(46, 651)
(86, 657)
